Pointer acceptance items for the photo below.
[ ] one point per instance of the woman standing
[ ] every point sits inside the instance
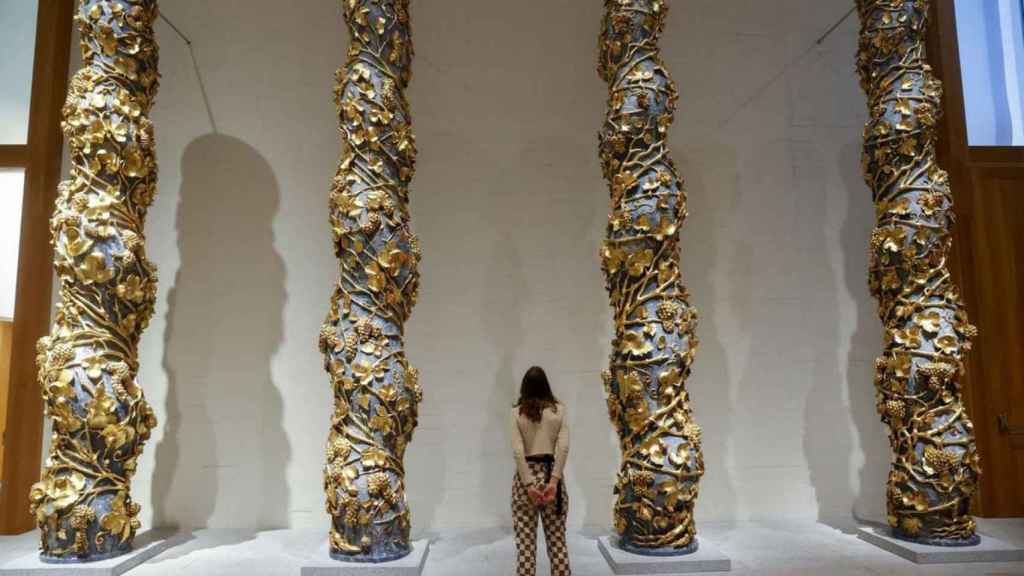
(540, 443)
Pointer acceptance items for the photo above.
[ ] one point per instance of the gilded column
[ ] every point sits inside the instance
(935, 464)
(89, 361)
(654, 322)
(376, 391)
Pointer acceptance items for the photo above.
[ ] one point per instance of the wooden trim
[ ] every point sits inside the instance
(985, 156)
(944, 51)
(24, 433)
(6, 331)
(971, 172)
(13, 155)
(944, 54)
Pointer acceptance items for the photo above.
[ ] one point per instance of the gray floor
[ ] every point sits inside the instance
(762, 548)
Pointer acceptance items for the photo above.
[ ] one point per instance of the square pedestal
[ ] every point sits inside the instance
(147, 545)
(321, 564)
(989, 550)
(707, 558)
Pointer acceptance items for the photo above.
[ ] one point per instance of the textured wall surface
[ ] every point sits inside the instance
(510, 206)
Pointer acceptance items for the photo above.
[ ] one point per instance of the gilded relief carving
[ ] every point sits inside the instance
(376, 391)
(654, 340)
(935, 464)
(89, 361)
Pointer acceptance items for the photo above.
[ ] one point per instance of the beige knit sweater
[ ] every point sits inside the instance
(549, 436)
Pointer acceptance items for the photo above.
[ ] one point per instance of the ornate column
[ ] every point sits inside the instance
(654, 322)
(88, 363)
(376, 392)
(935, 463)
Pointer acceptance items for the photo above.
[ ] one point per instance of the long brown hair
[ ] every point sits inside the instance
(535, 394)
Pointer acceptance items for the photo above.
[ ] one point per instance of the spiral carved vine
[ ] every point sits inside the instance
(376, 391)
(935, 464)
(89, 361)
(654, 323)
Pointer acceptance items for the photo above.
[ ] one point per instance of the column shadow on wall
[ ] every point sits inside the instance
(223, 454)
(828, 443)
(502, 319)
(710, 385)
(425, 458)
(594, 454)
(865, 342)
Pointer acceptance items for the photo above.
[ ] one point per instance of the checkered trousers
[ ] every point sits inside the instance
(524, 521)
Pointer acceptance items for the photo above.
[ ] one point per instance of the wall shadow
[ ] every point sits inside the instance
(865, 342)
(502, 318)
(710, 385)
(223, 455)
(828, 443)
(594, 456)
(426, 458)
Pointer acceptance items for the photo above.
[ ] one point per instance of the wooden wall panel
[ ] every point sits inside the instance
(23, 414)
(997, 270)
(988, 265)
(6, 333)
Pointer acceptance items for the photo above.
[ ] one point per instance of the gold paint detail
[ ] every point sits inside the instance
(654, 341)
(376, 391)
(89, 361)
(935, 463)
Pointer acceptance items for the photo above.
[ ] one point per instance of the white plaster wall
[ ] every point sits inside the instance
(510, 206)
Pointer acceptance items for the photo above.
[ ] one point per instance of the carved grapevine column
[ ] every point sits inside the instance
(376, 392)
(935, 463)
(88, 363)
(654, 323)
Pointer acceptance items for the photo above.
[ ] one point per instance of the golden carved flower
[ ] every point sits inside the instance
(73, 244)
(94, 269)
(635, 344)
(132, 289)
(930, 321)
(911, 525)
(900, 363)
(668, 382)
(381, 421)
(637, 414)
(915, 500)
(374, 457)
(378, 483)
(120, 520)
(639, 262)
(947, 343)
(100, 411)
(64, 417)
(55, 493)
(94, 365)
(135, 163)
(892, 238)
(117, 435)
(909, 337)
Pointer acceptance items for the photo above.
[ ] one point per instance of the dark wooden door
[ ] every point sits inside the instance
(988, 187)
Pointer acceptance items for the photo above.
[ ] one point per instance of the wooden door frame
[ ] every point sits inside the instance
(965, 163)
(41, 158)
